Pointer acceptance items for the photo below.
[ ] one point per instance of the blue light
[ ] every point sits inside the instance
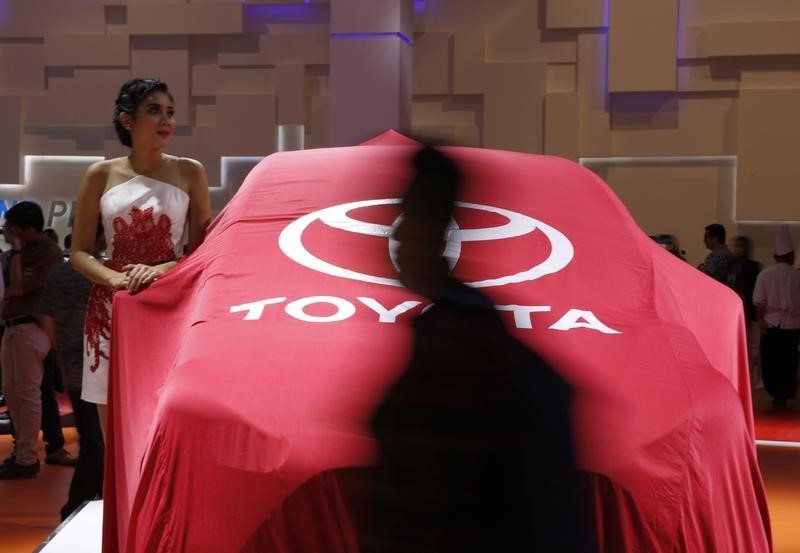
(288, 13)
(401, 36)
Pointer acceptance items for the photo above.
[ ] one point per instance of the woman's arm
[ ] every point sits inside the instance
(194, 174)
(84, 230)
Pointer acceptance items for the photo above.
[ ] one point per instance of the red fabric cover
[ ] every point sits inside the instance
(217, 420)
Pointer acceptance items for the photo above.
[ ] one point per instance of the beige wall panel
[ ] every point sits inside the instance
(691, 43)
(642, 45)
(84, 99)
(45, 145)
(375, 16)
(185, 19)
(592, 76)
(291, 81)
(305, 48)
(10, 135)
(432, 63)
(38, 18)
(370, 88)
(211, 80)
(200, 144)
(657, 198)
(165, 58)
(318, 80)
(246, 125)
(526, 44)
(205, 111)
(562, 131)
(575, 14)
(718, 74)
(22, 69)
(696, 125)
(770, 73)
(319, 116)
(309, 49)
(468, 136)
(468, 62)
(753, 38)
(767, 178)
(447, 112)
(87, 51)
(513, 106)
(451, 15)
(703, 12)
(562, 77)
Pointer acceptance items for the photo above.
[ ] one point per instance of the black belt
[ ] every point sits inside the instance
(14, 321)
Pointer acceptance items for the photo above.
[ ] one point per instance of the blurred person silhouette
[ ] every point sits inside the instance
(744, 274)
(475, 436)
(66, 298)
(67, 246)
(51, 234)
(719, 260)
(777, 301)
(670, 243)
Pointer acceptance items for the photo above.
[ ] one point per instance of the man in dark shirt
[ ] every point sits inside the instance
(64, 311)
(25, 344)
(719, 261)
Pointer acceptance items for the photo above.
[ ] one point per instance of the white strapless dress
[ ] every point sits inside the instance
(145, 222)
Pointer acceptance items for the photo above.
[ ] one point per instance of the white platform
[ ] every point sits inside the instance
(80, 533)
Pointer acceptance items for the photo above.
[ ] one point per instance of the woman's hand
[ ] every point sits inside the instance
(119, 281)
(140, 276)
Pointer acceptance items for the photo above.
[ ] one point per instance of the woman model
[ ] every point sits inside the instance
(144, 201)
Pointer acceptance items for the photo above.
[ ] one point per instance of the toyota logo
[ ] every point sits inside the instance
(291, 241)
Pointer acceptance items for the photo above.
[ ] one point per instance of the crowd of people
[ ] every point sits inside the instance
(770, 299)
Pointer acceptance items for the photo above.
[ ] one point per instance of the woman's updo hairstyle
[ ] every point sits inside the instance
(130, 96)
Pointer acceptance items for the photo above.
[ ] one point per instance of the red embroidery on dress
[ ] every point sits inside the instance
(98, 323)
(143, 240)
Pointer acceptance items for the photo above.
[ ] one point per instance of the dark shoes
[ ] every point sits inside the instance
(12, 470)
(60, 457)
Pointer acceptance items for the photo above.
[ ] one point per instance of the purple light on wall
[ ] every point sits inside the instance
(419, 6)
(288, 13)
(401, 36)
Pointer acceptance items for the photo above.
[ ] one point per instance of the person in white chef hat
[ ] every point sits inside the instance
(777, 300)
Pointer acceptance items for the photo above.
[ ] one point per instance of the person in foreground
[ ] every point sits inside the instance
(475, 437)
(144, 201)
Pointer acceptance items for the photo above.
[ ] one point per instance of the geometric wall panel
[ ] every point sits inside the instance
(759, 38)
(576, 14)
(768, 177)
(86, 50)
(22, 68)
(642, 45)
(185, 19)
